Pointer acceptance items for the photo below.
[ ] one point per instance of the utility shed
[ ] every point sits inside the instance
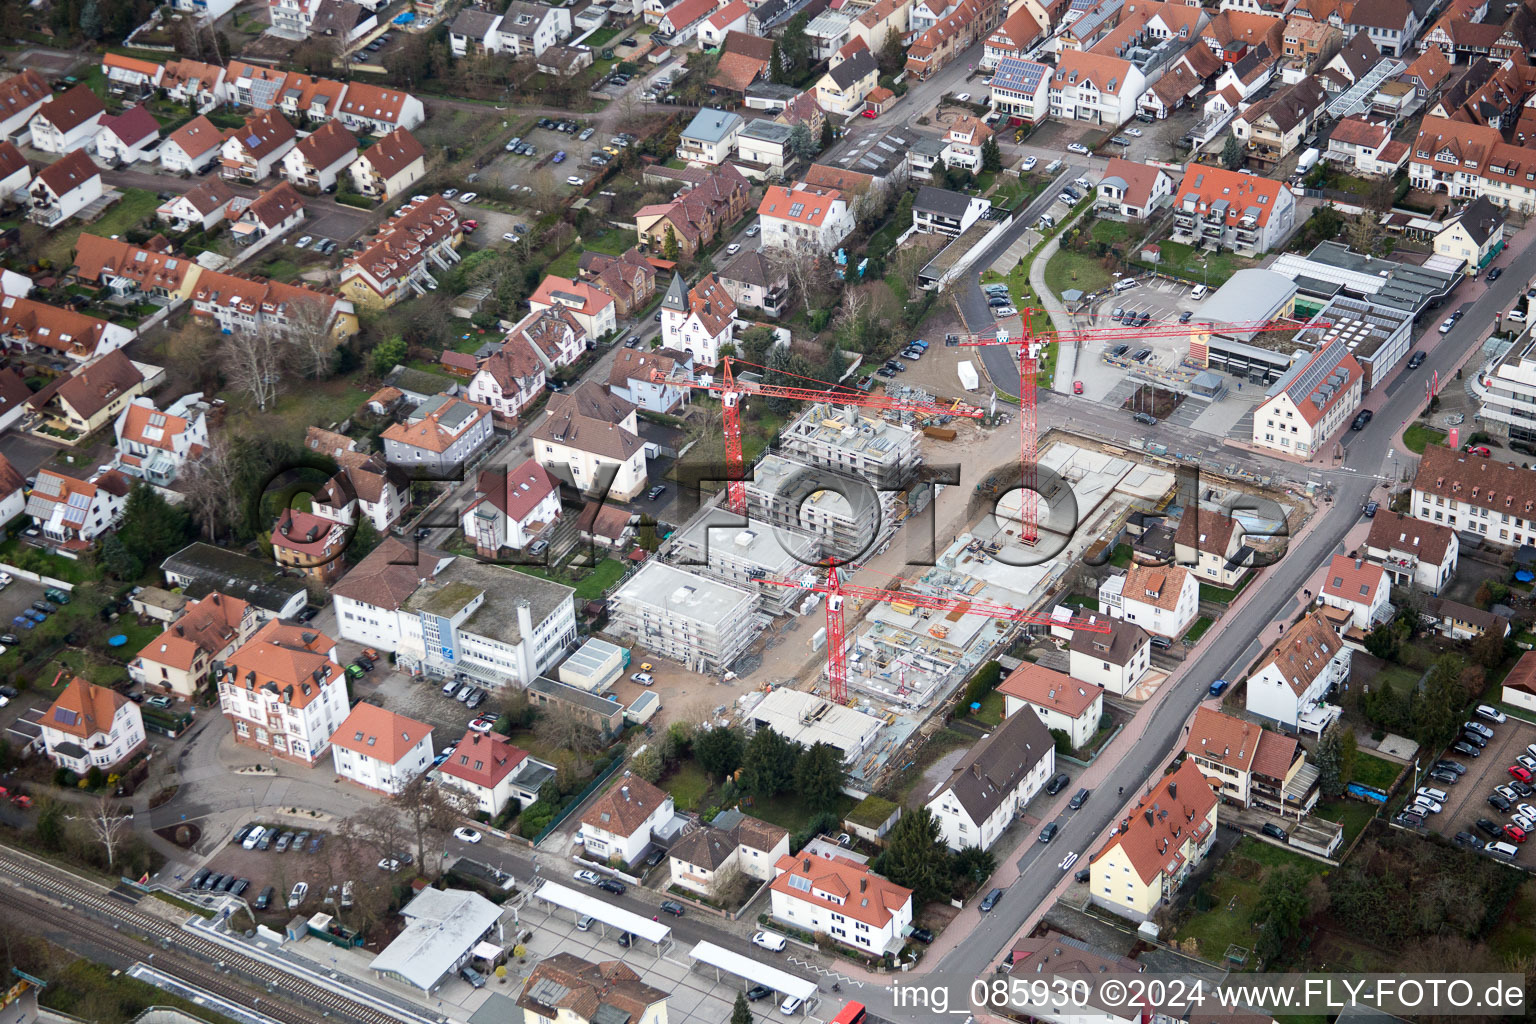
(595, 666)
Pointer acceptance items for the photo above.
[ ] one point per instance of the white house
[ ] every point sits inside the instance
(21, 96)
(1413, 552)
(389, 167)
(191, 148)
(1163, 599)
(438, 436)
(963, 143)
(804, 217)
(378, 110)
(511, 508)
(180, 660)
(319, 158)
(1210, 542)
(125, 138)
(1020, 90)
(73, 513)
(588, 306)
(842, 899)
(1251, 764)
(284, 692)
(380, 750)
(1062, 703)
(63, 189)
(255, 150)
(1167, 835)
(1095, 88)
(630, 378)
(1366, 147)
(508, 381)
(67, 122)
(554, 334)
(491, 772)
(1360, 588)
(619, 823)
(1115, 660)
(733, 843)
(274, 212)
(155, 445)
(994, 782)
(1292, 681)
(938, 210)
(1133, 190)
(15, 172)
(90, 726)
(1312, 402)
(710, 136)
(1489, 497)
(701, 322)
(587, 441)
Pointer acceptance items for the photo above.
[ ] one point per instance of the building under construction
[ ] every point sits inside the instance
(719, 545)
(808, 719)
(700, 623)
(883, 454)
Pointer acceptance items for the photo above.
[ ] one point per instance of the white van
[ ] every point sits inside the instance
(1125, 284)
(254, 837)
(1199, 292)
(1504, 851)
(1437, 795)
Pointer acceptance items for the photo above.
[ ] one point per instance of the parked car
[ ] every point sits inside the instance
(1495, 274)
(1275, 832)
(990, 900)
(299, 894)
(238, 889)
(264, 901)
(1058, 783)
(1468, 841)
(1416, 360)
(1361, 419)
(1452, 766)
(283, 841)
(1219, 687)
(1499, 803)
(771, 941)
(1079, 798)
(474, 977)
(1466, 749)
(757, 992)
(1490, 713)
(672, 907)
(466, 835)
(1046, 835)
(1145, 418)
(590, 877)
(922, 935)
(1514, 833)
(613, 885)
(1490, 828)
(1078, 148)
(199, 878)
(394, 863)
(1029, 163)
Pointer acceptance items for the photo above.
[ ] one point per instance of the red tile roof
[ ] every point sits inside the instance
(379, 733)
(1163, 821)
(1353, 579)
(1057, 691)
(69, 110)
(483, 759)
(862, 894)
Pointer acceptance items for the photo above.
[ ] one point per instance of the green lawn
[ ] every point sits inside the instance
(1224, 595)
(789, 811)
(1181, 259)
(135, 206)
(566, 264)
(306, 403)
(1078, 601)
(1109, 232)
(37, 560)
(688, 785)
(590, 587)
(1514, 939)
(1418, 435)
(1231, 895)
(992, 706)
(1400, 677)
(1197, 631)
(597, 40)
(1371, 770)
(280, 270)
(1068, 270)
(1352, 814)
(614, 242)
(1121, 556)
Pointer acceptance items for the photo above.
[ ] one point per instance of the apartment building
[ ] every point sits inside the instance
(74, 513)
(841, 513)
(700, 320)
(841, 899)
(710, 137)
(421, 239)
(1162, 599)
(590, 307)
(511, 508)
(1274, 127)
(1011, 40)
(122, 269)
(1252, 766)
(628, 279)
(1466, 160)
(89, 726)
(62, 189)
(621, 821)
(1414, 553)
(717, 544)
(244, 304)
(1115, 661)
(491, 772)
(156, 445)
(1169, 832)
(390, 167)
(885, 455)
(438, 437)
(1095, 88)
(180, 661)
(1493, 499)
(1061, 702)
(994, 782)
(1310, 403)
(380, 750)
(1291, 684)
(1360, 589)
(284, 692)
(1242, 212)
(804, 217)
(700, 623)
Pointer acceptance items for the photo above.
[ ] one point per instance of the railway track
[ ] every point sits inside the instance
(185, 955)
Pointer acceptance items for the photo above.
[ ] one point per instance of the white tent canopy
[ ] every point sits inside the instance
(580, 903)
(745, 967)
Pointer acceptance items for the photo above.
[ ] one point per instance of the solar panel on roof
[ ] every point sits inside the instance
(66, 716)
(48, 484)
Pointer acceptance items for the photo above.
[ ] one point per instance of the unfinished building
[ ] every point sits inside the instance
(720, 545)
(808, 719)
(700, 623)
(839, 512)
(883, 454)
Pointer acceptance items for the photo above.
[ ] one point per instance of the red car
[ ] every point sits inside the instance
(869, 113)
(1478, 449)
(1077, 387)
(1520, 772)
(469, 225)
(1514, 833)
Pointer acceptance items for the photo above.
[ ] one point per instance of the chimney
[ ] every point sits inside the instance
(1173, 789)
(1150, 819)
(863, 885)
(805, 865)
(625, 791)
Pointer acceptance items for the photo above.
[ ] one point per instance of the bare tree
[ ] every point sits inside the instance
(799, 264)
(310, 331)
(431, 812)
(254, 361)
(566, 731)
(208, 482)
(855, 307)
(110, 828)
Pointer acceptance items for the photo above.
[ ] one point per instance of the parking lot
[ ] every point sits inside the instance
(539, 174)
(330, 866)
(1163, 302)
(1468, 799)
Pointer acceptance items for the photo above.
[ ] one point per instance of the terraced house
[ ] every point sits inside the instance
(401, 259)
(253, 151)
(389, 167)
(319, 158)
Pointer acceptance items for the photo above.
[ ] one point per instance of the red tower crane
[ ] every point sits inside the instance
(837, 591)
(1029, 346)
(731, 391)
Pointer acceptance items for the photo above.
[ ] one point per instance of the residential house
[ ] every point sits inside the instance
(181, 660)
(74, 513)
(309, 544)
(91, 397)
(474, 32)
(1360, 588)
(1466, 160)
(803, 109)
(1250, 765)
(618, 824)
(1210, 543)
(193, 82)
(1294, 676)
(117, 268)
(829, 34)
(123, 138)
(1365, 147)
(1456, 621)
(681, 22)
(27, 326)
(1475, 235)
(390, 167)
(378, 110)
(993, 783)
(585, 449)
(438, 437)
(284, 692)
(508, 381)
(1310, 403)
(877, 22)
(716, 852)
(590, 308)
(1095, 88)
(1491, 498)
(941, 211)
(691, 220)
(511, 509)
(201, 207)
(631, 378)
(1274, 127)
(606, 526)
(1013, 39)
(1169, 832)
(1414, 553)
(1242, 80)
(532, 29)
(274, 212)
(1308, 45)
(1392, 25)
(245, 304)
(841, 899)
(744, 61)
(488, 769)
(1188, 77)
(701, 321)
(554, 334)
(89, 726)
(963, 143)
(192, 148)
(14, 399)
(804, 217)
(364, 487)
(15, 173)
(21, 96)
(729, 17)
(155, 446)
(1133, 190)
(1243, 212)
(291, 18)
(842, 91)
(629, 280)
(1163, 600)
(381, 750)
(1115, 661)
(1232, 35)
(568, 989)
(1064, 704)
(756, 282)
(67, 121)
(763, 149)
(63, 189)
(253, 151)
(564, 61)
(710, 136)
(345, 22)
(1020, 90)
(319, 158)
(422, 238)
(967, 23)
